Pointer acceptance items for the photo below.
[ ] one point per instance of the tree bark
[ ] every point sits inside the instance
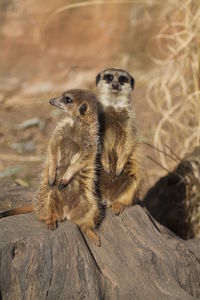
(138, 259)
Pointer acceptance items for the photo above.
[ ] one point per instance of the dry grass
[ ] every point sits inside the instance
(174, 92)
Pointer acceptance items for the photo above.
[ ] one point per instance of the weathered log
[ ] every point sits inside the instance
(174, 200)
(138, 259)
(14, 195)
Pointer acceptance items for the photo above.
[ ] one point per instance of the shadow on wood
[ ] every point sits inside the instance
(174, 201)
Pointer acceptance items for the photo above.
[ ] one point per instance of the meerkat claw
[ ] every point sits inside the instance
(52, 226)
(117, 209)
(105, 164)
(97, 242)
(51, 177)
(51, 182)
(119, 171)
(106, 168)
(62, 185)
(93, 237)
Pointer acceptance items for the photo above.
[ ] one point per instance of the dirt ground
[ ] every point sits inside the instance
(43, 57)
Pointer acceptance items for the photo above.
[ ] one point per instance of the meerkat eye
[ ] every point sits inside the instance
(123, 79)
(67, 99)
(108, 77)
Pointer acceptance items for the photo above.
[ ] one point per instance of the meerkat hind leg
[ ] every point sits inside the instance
(126, 197)
(80, 215)
(92, 235)
(53, 212)
(117, 208)
(51, 223)
(86, 225)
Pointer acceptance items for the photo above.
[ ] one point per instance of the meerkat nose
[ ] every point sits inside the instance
(115, 86)
(51, 101)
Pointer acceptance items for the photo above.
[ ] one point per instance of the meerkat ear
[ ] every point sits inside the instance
(98, 79)
(82, 108)
(132, 82)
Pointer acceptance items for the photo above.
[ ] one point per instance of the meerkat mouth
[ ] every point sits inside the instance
(56, 104)
(115, 90)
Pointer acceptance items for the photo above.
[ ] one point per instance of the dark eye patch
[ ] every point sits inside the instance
(67, 99)
(108, 77)
(123, 79)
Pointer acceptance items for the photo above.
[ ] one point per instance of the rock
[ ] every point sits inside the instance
(28, 123)
(9, 171)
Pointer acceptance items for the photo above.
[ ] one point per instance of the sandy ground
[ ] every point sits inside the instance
(46, 53)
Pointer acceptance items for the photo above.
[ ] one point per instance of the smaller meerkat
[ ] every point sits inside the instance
(67, 189)
(121, 176)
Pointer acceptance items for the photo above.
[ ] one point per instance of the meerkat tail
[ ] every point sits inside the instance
(16, 211)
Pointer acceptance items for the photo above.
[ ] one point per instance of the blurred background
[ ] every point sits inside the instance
(48, 47)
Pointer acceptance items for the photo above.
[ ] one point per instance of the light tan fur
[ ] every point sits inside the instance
(121, 174)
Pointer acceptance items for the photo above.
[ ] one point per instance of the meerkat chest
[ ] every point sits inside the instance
(116, 123)
(69, 146)
(114, 116)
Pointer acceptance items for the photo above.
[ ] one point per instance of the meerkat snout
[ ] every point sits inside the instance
(116, 86)
(51, 101)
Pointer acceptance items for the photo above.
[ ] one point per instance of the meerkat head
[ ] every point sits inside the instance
(74, 102)
(113, 84)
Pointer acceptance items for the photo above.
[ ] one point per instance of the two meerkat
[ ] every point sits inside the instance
(121, 176)
(67, 189)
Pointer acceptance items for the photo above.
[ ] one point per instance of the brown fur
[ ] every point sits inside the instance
(121, 175)
(67, 189)
(16, 211)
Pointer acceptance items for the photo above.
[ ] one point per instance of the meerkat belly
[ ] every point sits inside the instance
(114, 141)
(115, 122)
(111, 183)
(75, 199)
(67, 153)
(78, 189)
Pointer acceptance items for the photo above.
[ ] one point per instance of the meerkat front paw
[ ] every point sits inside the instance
(52, 180)
(62, 184)
(105, 163)
(120, 165)
(119, 169)
(93, 237)
(97, 241)
(65, 180)
(51, 224)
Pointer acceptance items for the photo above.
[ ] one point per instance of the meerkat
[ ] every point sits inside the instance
(67, 189)
(121, 175)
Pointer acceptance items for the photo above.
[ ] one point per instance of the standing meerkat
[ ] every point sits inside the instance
(121, 175)
(67, 189)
